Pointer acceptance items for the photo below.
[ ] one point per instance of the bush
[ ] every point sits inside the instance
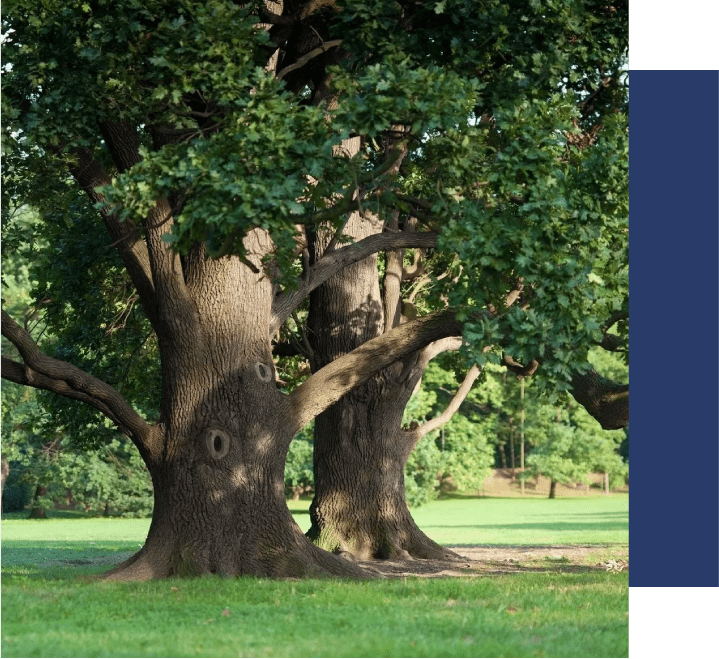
(15, 497)
(299, 471)
(421, 471)
(468, 456)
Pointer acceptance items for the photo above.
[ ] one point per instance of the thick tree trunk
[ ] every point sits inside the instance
(222, 440)
(218, 451)
(360, 452)
(225, 513)
(360, 447)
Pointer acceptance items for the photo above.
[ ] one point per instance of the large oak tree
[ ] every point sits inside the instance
(227, 149)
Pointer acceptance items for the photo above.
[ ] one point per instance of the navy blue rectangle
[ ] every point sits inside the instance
(674, 360)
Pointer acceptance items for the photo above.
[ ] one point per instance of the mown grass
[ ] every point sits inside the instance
(469, 520)
(48, 611)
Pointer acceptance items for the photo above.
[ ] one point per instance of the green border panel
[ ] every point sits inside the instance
(673, 622)
(674, 35)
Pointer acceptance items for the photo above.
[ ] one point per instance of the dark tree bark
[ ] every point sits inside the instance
(38, 512)
(606, 401)
(217, 454)
(553, 489)
(360, 447)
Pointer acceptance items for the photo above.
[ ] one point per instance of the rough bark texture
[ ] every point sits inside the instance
(224, 432)
(360, 447)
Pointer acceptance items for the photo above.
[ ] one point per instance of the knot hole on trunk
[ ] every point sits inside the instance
(218, 443)
(264, 372)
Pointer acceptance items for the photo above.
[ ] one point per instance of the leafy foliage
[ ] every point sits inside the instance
(515, 127)
(299, 469)
(421, 471)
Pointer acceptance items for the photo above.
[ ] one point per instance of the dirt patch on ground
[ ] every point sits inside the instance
(485, 560)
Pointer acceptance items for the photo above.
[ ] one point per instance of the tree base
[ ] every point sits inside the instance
(301, 560)
(398, 542)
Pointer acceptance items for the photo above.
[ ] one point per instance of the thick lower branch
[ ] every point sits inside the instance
(22, 374)
(605, 400)
(44, 372)
(342, 375)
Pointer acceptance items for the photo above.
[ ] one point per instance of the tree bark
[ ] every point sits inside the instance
(360, 446)
(606, 401)
(38, 512)
(224, 431)
(218, 452)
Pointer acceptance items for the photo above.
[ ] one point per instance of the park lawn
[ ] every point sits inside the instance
(48, 611)
(469, 520)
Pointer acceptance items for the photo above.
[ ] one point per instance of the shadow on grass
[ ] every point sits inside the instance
(54, 514)
(47, 559)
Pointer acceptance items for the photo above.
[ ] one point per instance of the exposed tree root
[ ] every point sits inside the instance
(303, 560)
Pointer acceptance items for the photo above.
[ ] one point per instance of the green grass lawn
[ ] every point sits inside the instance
(48, 611)
(463, 520)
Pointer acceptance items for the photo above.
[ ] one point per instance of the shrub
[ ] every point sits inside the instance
(299, 473)
(421, 471)
(15, 497)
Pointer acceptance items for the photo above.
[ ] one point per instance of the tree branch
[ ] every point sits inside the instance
(605, 400)
(287, 301)
(518, 369)
(323, 48)
(90, 174)
(615, 318)
(438, 347)
(453, 406)
(44, 372)
(172, 297)
(333, 381)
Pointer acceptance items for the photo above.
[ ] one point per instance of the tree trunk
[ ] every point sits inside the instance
(360, 452)
(553, 489)
(38, 512)
(360, 447)
(220, 447)
(502, 455)
(217, 453)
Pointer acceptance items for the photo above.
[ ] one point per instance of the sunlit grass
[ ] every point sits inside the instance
(50, 614)
(48, 611)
